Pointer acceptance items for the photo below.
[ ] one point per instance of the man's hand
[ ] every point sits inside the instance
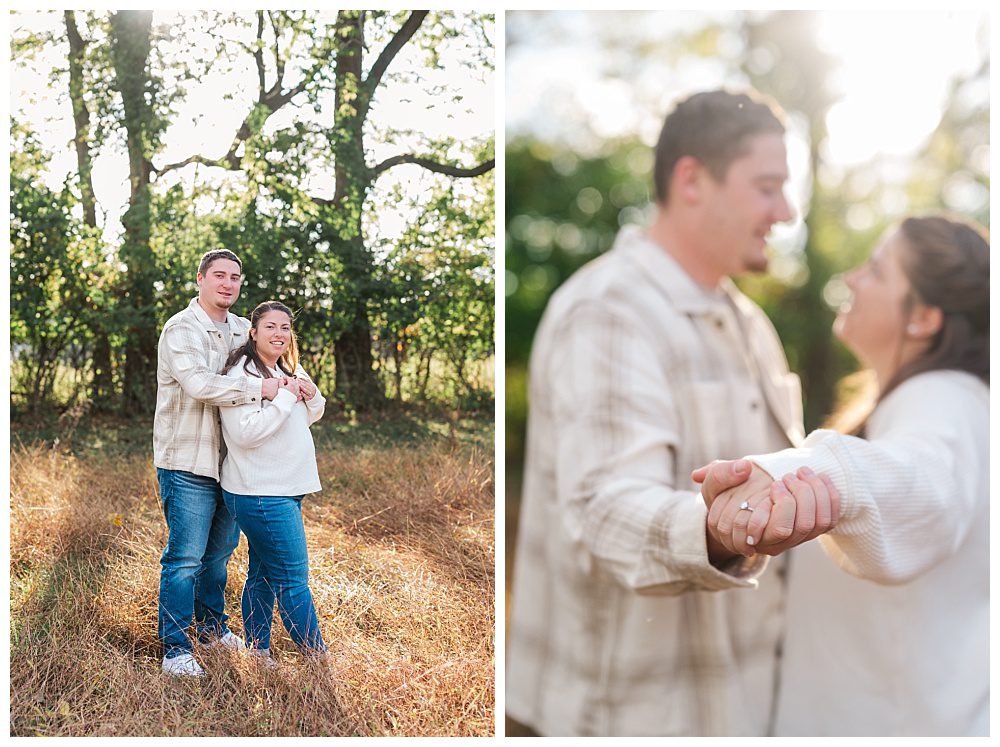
(723, 482)
(269, 388)
(720, 476)
(779, 514)
(717, 480)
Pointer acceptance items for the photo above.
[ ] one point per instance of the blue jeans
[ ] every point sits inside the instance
(278, 569)
(202, 537)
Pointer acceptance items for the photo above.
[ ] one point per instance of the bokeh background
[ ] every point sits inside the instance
(888, 114)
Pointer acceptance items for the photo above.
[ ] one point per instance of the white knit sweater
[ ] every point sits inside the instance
(907, 654)
(270, 450)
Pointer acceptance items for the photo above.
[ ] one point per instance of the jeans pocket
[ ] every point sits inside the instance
(191, 480)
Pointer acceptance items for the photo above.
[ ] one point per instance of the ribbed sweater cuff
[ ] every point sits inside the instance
(821, 459)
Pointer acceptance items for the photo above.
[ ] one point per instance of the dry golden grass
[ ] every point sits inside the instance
(401, 546)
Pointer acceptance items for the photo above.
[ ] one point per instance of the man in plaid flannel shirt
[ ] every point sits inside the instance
(187, 453)
(628, 617)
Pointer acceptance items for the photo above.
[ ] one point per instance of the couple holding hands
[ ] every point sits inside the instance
(653, 590)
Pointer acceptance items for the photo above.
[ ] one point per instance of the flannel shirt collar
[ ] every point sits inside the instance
(206, 321)
(664, 271)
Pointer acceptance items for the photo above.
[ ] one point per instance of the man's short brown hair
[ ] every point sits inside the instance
(711, 127)
(209, 257)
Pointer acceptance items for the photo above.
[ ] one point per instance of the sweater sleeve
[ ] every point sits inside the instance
(249, 426)
(315, 406)
(908, 494)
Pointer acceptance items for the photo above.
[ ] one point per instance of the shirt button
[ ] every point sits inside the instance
(754, 405)
(719, 323)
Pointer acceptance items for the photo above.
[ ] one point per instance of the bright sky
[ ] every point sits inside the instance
(611, 70)
(205, 122)
(894, 73)
(583, 78)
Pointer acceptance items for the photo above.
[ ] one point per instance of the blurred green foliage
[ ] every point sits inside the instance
(562, 211)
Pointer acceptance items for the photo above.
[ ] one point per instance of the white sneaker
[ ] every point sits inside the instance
(231, 641)
(183, 665)
(263, 656)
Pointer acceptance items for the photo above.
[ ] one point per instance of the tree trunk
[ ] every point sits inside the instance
(426, 358)
(130, 53)
(818, 369)
(101, 386)
(356, 380)
(81, 118)
(397, 357)
(357, 383)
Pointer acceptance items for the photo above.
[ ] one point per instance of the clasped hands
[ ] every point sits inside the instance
(749, 512)
(303, 389)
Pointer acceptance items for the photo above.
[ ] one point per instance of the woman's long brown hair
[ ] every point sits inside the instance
(947, 263)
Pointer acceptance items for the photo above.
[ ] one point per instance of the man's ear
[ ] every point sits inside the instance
(199, 277)
(925, 321)
(687, 179)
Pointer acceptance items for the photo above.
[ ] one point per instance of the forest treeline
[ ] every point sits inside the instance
(294, 195)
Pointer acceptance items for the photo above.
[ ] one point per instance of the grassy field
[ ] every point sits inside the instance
(401, 544)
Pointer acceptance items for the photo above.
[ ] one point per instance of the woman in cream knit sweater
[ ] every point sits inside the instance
(887, 615)
(269, 466)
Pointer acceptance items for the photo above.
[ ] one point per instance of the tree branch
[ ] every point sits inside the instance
(228, 161)
(271, 99)
(76, 41)
(430, 165)
(258, 52)
(406, 31)
(278, 64)
(275, 98)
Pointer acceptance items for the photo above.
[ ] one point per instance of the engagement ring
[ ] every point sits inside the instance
(745, 506)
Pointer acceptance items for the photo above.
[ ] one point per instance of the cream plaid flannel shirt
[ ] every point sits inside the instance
(619, 625)
(187, 434)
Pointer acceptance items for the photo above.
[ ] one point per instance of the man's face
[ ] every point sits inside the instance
(219, 287)
(741, 209)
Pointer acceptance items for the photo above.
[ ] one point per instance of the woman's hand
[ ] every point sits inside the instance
(307, 388)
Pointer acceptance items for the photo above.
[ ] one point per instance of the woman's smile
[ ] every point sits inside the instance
(273, 334)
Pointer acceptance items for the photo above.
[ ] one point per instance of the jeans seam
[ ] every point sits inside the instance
(278, 590)
(173, 482)
(280, 587)
(270, 534)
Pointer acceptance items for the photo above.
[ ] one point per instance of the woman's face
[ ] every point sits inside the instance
(872, 324)
(273, 334)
